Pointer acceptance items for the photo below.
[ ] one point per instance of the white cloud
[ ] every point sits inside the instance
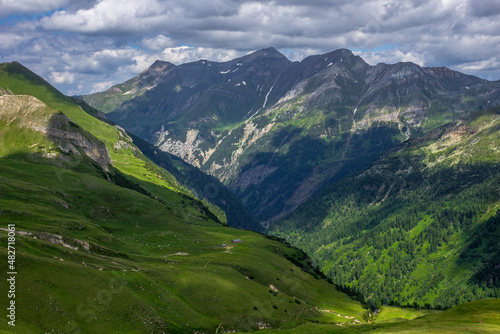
(10, 40)
(13, 36)
(62, 77)
(109, 16)
(157, 43)
(249, 25)
(298, 54)
(483, 65)
(392, 56)
(483, 8)
(184, 54)
(101, 86)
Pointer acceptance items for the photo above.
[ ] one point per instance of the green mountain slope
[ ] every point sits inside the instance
(124, 152)
(108, 242)
(420, 227)
(123, 155)
(96, 257)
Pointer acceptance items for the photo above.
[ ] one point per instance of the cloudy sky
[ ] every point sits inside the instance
(83, 46)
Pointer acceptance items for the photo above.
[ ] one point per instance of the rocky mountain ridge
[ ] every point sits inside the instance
(277, 132)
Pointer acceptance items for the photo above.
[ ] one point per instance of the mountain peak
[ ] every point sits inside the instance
(270, 52)
(267, 53)
(345, 52)
(160, 65)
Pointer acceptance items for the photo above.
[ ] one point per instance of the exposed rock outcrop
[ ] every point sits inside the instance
(30, 113)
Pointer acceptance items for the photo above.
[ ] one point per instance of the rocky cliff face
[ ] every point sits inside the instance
(276, 132)
(29, 113)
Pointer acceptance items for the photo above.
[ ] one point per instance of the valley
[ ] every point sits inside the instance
(377, 188)
(110, 242)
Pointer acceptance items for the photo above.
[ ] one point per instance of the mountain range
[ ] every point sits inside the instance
(277, 132)
(393, 201)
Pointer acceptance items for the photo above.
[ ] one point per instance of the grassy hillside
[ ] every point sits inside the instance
(95, 257)
(102, 258)
(420, 227)
(124, 155)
